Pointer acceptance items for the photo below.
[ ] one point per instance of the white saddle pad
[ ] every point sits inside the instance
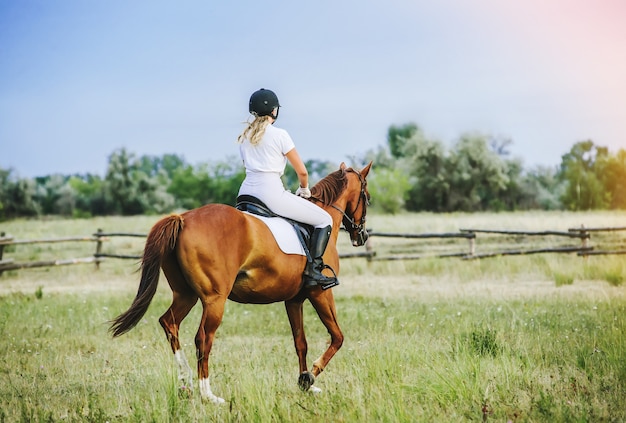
(284, 233)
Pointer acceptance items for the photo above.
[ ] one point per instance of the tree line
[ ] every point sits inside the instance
(411, 172)
(477, 173)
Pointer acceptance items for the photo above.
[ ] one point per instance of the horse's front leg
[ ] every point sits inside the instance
(296, 321)
(324, 304)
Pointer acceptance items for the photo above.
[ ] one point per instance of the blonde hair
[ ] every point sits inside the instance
(254, 130)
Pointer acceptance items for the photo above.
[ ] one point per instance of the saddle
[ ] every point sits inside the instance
(252, 205)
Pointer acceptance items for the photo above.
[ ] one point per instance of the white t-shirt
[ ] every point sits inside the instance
(269, 154)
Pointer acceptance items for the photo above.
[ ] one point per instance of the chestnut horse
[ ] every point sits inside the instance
(216, 252)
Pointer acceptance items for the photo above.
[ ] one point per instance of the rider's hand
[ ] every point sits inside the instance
(303, 192)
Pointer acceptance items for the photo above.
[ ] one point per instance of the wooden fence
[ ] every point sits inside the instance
(429, 245)
(495, 243)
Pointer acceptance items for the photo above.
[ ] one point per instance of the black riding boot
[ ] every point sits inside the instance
(313, 272)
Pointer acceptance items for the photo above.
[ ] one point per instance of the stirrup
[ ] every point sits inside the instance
(310, 282)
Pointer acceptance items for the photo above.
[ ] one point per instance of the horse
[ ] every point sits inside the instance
(217, 252)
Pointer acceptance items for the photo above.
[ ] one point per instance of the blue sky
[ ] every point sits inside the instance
(80, 79)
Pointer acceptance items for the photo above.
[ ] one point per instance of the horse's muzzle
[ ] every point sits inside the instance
(360, 238)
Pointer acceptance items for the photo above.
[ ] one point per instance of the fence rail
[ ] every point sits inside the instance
(570, 234)
(473, 235)
(396, 251)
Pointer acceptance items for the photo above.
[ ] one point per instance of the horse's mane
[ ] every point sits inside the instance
(328, 189)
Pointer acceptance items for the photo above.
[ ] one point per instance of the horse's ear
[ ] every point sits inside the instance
(366, 170)
(343, 167)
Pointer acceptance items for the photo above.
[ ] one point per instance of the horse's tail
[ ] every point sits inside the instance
(160, 242)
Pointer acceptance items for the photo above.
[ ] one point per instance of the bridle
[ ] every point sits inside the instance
(359, 228)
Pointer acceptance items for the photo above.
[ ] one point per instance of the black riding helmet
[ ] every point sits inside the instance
(262, 102)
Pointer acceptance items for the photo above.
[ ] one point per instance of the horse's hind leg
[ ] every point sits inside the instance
(184, 298)
(212, 313)
(170, 321)
(295, 315)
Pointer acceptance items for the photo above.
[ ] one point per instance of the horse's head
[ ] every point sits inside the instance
(358, 198)
(345, 190)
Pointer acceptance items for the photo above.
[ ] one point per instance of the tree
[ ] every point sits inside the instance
(611, 170)
(477, 175)
(388, 189)
(90, 198)
(218, 182)
(133, 191)
(167, 164)
(380, 157)
(120, 186)
(585, 190)
(500, 146)
(151, 194)
(48, 192)
(226, 178)
(397, 136)
(544, 189)
(426, 163)
(190, 186)
(17, 196)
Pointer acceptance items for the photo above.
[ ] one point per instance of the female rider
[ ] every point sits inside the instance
(265, 150)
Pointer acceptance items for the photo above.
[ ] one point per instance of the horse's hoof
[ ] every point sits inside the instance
(305, 381)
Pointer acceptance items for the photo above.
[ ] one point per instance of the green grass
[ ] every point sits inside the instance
(403, 360)
(536, 338)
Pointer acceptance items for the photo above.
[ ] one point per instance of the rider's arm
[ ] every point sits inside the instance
(298, 165)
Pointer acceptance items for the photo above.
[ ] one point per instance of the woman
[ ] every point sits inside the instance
(265, 151)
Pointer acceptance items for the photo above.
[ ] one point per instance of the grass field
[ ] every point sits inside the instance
(529, 338)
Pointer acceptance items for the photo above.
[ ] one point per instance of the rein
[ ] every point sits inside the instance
(360, 227)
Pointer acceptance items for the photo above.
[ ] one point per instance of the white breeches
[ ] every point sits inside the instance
(269, 188)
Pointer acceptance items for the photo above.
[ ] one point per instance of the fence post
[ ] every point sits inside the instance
(472, 245)
(2, 234)
(98, 249)
(369, 247)
(584, 237)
